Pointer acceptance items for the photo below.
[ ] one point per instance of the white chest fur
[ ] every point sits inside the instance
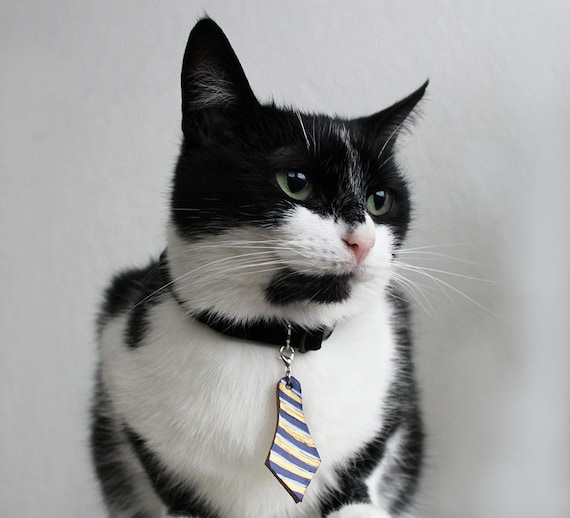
(206, 403)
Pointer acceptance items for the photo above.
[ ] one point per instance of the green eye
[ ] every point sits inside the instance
(380, 202)
(294, 184)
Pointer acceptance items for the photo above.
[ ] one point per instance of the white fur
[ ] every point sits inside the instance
(381, 494)
(211, 89)
(246, 258)
(206, 403)
(359, 511)
(351, 154)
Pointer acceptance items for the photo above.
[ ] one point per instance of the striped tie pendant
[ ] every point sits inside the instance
(293, 457)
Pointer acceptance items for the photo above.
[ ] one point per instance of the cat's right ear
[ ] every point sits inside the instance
(213, 82)
(386, 125)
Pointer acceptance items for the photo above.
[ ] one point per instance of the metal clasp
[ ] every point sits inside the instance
(287, 353)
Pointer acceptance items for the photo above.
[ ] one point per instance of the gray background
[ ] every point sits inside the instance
(89, 132)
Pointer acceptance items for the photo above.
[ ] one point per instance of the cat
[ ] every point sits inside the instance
(283, 226)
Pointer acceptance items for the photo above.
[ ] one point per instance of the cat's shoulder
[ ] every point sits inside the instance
(130, 288)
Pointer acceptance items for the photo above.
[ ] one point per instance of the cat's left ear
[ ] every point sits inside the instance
(212, 79)
(387, 124)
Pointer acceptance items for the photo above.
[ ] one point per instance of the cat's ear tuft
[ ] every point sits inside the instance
(388, 123)
(212, 76)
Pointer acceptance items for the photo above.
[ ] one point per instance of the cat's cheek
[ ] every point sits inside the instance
(359, 511)
(314, 244)
(377, 268)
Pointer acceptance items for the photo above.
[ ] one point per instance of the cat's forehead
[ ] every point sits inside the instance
(344, 136)
(321, 129)
(328, 140)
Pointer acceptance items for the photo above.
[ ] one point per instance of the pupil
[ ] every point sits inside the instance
(296, 181)
(379, 199)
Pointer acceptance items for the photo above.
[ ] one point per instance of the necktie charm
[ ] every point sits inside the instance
(293, 457)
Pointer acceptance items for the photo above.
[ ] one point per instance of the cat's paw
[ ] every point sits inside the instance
(359, 511)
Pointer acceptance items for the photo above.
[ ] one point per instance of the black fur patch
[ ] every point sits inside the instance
(179, 498)
(123, 292)
(107, 441)
(400, 414)
(137, 325)
(288, 286)
(134, 291)
(152, 290)
(403, 410)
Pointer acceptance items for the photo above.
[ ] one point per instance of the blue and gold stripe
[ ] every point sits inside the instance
(293, 457)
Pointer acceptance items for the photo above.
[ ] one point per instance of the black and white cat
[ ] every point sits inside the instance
(278, 218)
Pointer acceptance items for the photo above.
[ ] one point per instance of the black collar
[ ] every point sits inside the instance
(266, 333)
(274, 333)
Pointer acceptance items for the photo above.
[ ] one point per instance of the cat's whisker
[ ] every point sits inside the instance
(243, 244)
(390, 158)
(430, 247)
(282, 247)
(444, 272)
(392, 135)
(432, 256)
(213, 278)
(181, 277)
(264, 248)
(441, 283)
(250, 265)
(205, 282)
(315, 144)
(231, 264)
(422, 253)
(304, 131)
(413, 290)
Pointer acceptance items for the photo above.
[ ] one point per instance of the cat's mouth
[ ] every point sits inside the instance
(289, 286)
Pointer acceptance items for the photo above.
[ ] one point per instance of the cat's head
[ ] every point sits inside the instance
(277, 213)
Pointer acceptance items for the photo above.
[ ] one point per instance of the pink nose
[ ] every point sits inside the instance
(360, 242)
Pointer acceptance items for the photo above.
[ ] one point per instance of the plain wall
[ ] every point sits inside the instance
(89, 133)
